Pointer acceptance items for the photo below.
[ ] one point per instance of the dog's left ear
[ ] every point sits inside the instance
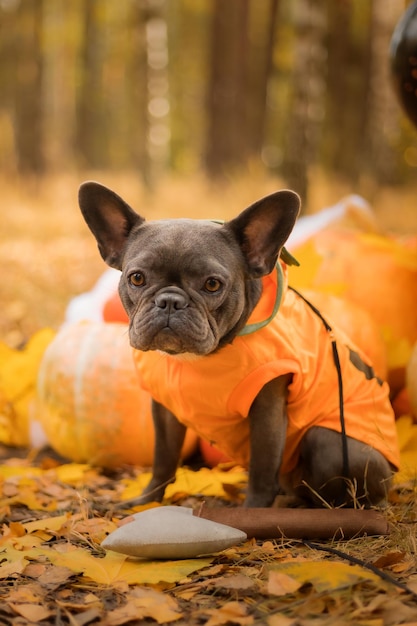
(109, 218)
(262, 229)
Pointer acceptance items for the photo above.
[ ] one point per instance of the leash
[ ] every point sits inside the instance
(336, 360)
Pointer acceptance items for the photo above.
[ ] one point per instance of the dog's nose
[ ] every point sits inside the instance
(171, 300)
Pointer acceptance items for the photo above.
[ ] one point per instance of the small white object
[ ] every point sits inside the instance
(171, 532)
(308, 225)
(88, 306)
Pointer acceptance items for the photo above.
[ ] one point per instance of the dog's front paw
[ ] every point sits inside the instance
(260, 499)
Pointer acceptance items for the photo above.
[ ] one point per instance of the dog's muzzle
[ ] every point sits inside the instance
(171, 300)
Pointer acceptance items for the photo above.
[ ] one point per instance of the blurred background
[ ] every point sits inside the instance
(186, 107)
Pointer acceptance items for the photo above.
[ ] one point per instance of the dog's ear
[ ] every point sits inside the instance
(262, 229)
(109, 218)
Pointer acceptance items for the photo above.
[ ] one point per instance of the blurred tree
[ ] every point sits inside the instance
(152, 85)
(348, 67)
(242, 43)
(91, 135)
(27, 88)
(382, 129)
(304, 119)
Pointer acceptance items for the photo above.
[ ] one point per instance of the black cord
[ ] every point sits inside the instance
(353, 559)
(345, 453)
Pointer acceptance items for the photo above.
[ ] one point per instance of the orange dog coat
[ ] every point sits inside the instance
(213, 394)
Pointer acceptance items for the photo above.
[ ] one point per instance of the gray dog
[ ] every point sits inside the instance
(226, 348)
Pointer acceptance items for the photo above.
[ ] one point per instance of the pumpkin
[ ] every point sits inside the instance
(89, 401)
(356, 323)
(401, 404)
(377, 273)
(211, 455)
(113, 310)
(412, 381)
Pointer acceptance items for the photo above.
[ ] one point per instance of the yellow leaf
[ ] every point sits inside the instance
(143, 603)
(398, 349)
(407, 438)
(207, 482)
(18, 377)
(47, 523)
(404, 426)
(325, 576)
(113, 567)
(310, 260)
(74, 473)
(13, 562)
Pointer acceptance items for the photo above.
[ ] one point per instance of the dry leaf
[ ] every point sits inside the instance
(280, 584)
(33, 613)
(236, 581)
(391, 558)
(325, 575)
(145, 603)
(280, 620)
(231, 612)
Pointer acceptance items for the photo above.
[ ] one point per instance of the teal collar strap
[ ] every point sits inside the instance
(252, 328)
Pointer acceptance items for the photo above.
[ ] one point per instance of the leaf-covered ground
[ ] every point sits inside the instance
(53, 570)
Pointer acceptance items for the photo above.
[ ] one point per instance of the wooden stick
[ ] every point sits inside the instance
(299, 523)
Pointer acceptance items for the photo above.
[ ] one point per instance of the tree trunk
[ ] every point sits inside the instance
(307, 109)
(380, 147)
(90, 137)
(28, 89)
(226, 147)
(263, 24)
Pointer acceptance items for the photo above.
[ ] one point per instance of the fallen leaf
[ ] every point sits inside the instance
(16, 566)
(280, 620)
(280, 584)
(18, 376)
(206, 482)
(231, 612)
(145, 603)
(325, 575)
(32, 612)
(108, 570)
(236, 581)
(391, 558)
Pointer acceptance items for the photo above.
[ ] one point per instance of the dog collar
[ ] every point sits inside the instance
(252, 328)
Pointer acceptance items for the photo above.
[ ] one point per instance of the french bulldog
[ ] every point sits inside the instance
(224, 347)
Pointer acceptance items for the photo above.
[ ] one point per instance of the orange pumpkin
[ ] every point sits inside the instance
(90, 403)
(355, 323)
(212, 456)
(412, 381)
(401, 404)
(377, 273)
(113, 310)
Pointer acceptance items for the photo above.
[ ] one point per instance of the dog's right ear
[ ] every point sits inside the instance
(109, 218)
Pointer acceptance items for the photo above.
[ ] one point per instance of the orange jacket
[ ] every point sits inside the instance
(213, 394)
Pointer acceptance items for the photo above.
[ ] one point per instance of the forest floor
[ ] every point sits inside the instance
(55, 514)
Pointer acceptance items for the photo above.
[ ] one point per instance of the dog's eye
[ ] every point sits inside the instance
(137, 279)
(212, 285)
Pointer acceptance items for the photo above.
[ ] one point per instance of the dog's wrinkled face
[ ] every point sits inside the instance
(188, 286)
(183, 286)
